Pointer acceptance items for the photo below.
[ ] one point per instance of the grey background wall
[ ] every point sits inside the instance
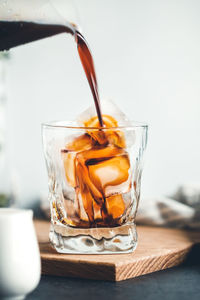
(147, 60)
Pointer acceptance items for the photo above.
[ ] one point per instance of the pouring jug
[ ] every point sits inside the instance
(23, 21)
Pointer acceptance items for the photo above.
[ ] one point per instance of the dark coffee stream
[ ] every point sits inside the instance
(13, 34)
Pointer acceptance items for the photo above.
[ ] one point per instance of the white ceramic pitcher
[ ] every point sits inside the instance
(20, 265)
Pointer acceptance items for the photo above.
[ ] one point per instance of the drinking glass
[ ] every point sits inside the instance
(94, 177)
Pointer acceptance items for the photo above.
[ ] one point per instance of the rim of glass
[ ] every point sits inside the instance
(73, 125)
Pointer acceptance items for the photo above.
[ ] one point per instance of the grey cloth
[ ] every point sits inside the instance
(182, 210)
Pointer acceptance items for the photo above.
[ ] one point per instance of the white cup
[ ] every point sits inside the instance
(20, 266)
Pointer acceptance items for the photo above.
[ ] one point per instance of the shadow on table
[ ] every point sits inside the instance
(193, 258)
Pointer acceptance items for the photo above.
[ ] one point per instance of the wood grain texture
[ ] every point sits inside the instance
(158, 249)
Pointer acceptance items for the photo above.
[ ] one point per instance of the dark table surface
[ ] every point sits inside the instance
(181, 282)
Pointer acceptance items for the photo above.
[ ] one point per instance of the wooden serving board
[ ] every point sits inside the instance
(158, 249)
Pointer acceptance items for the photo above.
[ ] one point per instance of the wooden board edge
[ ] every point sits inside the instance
(151, 265)
(89, 270)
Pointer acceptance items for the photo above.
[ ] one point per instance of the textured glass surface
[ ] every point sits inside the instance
(94, 186)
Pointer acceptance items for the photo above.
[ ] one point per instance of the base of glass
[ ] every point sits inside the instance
(65, 239)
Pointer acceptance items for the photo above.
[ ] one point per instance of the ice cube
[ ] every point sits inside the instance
(79, 143)
(83, 177)
(107, 108)
(112, 117)
(115, 206)
(85, 201)
(103, 137)
(111, 176)
(106, 171)
(85, 198)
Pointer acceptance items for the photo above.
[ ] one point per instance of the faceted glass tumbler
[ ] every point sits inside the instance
(94, 177)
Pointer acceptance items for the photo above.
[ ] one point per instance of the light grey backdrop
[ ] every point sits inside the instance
(147, 56)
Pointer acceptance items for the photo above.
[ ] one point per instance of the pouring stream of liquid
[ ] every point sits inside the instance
(17, 33)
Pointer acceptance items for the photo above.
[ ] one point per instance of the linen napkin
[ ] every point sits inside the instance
(181, 210)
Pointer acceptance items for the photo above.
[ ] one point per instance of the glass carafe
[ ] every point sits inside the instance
(23, 21)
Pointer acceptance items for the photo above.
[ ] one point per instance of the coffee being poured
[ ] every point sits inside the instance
(17, 29)
(96, 164)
